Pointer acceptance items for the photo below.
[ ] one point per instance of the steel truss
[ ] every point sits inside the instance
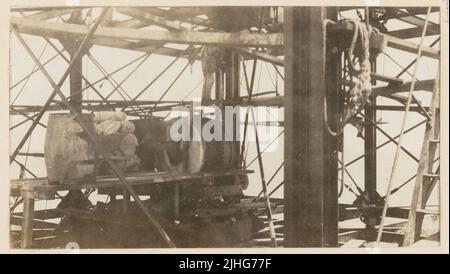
(313, 197)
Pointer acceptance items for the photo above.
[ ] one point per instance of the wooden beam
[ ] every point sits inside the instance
(136, 23)
(49, 14)
(176, 25)
(151, 19)
(72, 31)
(261, 55)
(409, 33)
(392, 41)
(391, 80)
(398, 108)
(43, 8)
(411, 47)
(426, 85)
(420, 23)
(128, 23)
(395, 13)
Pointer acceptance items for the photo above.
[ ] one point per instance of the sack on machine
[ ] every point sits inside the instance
(71, 158)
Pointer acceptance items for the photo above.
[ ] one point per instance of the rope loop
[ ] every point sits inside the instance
(359, 94)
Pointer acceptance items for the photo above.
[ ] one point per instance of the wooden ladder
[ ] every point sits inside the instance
(426, 179)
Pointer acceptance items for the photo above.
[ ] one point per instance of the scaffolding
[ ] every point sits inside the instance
(303, 58)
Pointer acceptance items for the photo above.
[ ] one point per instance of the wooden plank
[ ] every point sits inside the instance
(261, 55)
(397, 212)
(392, 41)
(259, 101)
(409, 33)
(411, 47)
(18, 221)
(37, 233)
(139, 46)
(176, 25)
(150, 19)
(420, 23)
(128, 23)
(72, 31)
(42, 184)
(395, 13)
(44, 214)
(19, 8)
(399, 108)
(385, 78)
(426, 85)
(136, 23)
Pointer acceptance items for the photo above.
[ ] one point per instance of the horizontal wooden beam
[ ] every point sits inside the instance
(426, 85)
(20, 110)
(399, 108)
(419, 22)
(409, 33)
(150, 19)
(73, 31)
(44, 8)
(143, 47)
(391, 41)
(411, 47)
(128, 23)
(384, 78)
(269, 101)
(261, 56)
(154, 17)
(395, 13)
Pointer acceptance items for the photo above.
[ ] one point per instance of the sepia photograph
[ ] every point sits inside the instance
(236, 127)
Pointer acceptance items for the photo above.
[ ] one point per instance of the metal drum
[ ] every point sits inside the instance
(159, 152)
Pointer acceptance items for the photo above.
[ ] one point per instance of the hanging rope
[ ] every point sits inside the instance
(359, 94)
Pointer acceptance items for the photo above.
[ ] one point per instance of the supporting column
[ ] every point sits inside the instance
(310, 193)
(370, 149)
(27, 223)
(232, 92)
(370, 161)
(75, 76)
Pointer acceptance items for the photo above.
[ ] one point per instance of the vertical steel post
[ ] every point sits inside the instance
(370, 159)
(310, 192)
(232, 92)
(75, 76)
(27, 222)
(370, 146)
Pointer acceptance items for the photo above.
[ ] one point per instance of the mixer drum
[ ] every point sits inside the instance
(159, 152)
(69, 157)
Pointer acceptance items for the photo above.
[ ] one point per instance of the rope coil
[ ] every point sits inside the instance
(359, 94)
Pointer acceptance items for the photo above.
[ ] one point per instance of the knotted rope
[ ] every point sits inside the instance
(359, 94)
